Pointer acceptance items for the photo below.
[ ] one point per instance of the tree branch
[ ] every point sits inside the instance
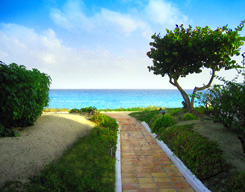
(209, 83)
(203, 87)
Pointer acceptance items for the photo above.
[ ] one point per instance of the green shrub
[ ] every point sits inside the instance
(228, 105)
(175, 111)
(90, 110)
(203, 157)
(188, 116)
(150, 108)
(104, 121)
(163, 122)
(236, 183)
(74, 110)
(148, 116)
(23, 95)
(5, 132)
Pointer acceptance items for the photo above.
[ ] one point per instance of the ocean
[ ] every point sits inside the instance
(114, 98)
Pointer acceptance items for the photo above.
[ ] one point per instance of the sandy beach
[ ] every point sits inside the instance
(38, 145)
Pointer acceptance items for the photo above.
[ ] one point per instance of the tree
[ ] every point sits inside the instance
(185, 51)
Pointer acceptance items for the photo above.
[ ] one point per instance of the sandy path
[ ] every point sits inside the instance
(38, 145)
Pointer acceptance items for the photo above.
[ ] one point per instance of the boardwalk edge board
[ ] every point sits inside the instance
(118, 185)
(196, 184)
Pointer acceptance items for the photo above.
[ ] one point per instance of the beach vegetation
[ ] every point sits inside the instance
(188, 116)
(185, 51)
(148, 116)
(203, 157)
(236, 183)
(162, 122)
(150, 108)
(104, 121)
(90, 110)
(227, 102)
(23, 95)
(89, 165)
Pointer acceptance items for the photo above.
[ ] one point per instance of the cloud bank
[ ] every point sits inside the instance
(112, 45)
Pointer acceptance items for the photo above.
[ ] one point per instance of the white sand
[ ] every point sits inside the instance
(38, 145)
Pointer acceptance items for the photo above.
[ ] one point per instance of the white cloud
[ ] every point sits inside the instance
(117, 60)
(72, 67)
(164, 13)
(73, 17)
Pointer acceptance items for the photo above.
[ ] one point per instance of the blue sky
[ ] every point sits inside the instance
(103, 43)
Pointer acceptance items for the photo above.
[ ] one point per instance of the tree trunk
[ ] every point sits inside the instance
(241, 136)
(196, 89)
(190, 104)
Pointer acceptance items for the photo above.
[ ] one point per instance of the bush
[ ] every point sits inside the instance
(162, 122)
(4, 132)
(104, 121)
(148, 116)
(201, 156)
(23, 95)
(188, 116)
(236, 183)
(74, 110)
(229, 107)
(90, 110)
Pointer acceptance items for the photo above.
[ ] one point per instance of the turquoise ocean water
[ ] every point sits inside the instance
(114, 98)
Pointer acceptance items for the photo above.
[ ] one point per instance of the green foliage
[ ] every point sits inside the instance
(148, 116)
(186, 51)
(150, 108)
(74, 110)
(228, 105)
(91, 110)
(175, 111)
(104, 121)
(227, 102)
(236, 183)
(23, 95)
(165, 121)
(89, 165)
(5, 132)
(201, 156)
(188, 116)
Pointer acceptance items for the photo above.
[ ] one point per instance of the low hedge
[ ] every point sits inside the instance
(203, 157)
(148, 116)
(162, 122)
(104, 121)
(23, 95)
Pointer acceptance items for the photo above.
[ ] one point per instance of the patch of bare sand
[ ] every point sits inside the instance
(226, 139)
(38, 145)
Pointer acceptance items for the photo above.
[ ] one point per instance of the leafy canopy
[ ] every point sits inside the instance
(185, 51)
